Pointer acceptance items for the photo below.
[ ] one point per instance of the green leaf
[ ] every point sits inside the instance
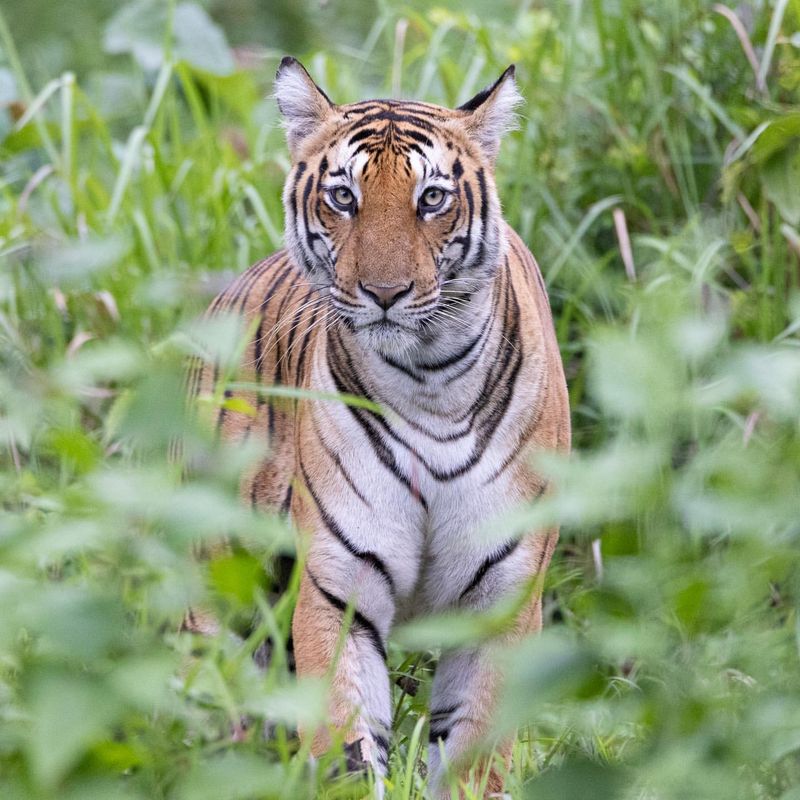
(579, 778)
(237, 576)
(75, 264)
(450, 630)
(781, 178)
(550, 668)
(234, 776)
(69, 713)
(73, 622)
(138, 28)
(8, 87)
(76, 448)
(99, 362)
(302, 702)
(143, 681)
(779, 134)
(200, 42)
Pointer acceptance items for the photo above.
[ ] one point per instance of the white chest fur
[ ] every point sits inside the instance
(420, 485)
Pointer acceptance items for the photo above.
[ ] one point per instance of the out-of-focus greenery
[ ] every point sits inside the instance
(141, 167)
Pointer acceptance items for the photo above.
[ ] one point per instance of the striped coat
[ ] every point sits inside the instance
(402, 284)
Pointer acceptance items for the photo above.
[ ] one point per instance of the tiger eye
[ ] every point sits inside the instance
(432, 198)
(342, 196)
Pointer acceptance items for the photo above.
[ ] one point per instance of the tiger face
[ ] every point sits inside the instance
(391, 207)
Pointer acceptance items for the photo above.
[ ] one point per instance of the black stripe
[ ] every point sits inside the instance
(301, 168)
(522, 442)
(240, 287)
(295, 324)
(444, 712)
(417, 149)
(504, 552)
(295, 216)
(347, 303)
(364, 107)
(501, 378)
(310, 237)
(402, 368)
(334, 528)
(388, 115)
(484, 215)
(543, 553)
(497, 287)
(506, 384)
(382, 744)
(436, 734)
(286, 504)
(443, 731)
(385, 455)
(456, 357)
(502, 296)
(253, 492)
(466, 240)
(476, 357)
(382, 452)
(276, 372)
(486, 93)
(365, 133)
(248, 280)
(268, 295)
(525, 256)
(304, 346)
(334, 456)
(441, 438)
(358, 618)
(276, 375)
(417, 136)
(424, 300)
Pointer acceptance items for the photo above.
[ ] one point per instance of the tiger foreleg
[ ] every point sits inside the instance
(465, 747)
(462, 703)
(355, 663)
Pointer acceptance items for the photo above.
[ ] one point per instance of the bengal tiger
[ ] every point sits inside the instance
(400, 283)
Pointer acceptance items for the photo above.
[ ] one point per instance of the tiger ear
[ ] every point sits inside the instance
(492, 112)
(302, 103)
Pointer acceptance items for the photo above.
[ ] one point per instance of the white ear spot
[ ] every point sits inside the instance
(492, 112)
(302, 103)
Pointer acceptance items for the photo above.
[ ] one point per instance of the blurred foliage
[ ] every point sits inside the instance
(141, 167)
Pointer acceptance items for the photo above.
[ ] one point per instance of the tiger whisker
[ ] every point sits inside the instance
(278, 330)
(324, 319)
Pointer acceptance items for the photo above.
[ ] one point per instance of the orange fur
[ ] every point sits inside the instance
(391, 241)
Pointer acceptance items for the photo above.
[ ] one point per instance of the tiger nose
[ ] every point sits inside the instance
(386, 296)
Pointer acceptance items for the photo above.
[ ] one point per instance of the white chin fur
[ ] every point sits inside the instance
(391, 341)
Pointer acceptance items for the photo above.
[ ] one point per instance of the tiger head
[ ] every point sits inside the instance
(391, 207)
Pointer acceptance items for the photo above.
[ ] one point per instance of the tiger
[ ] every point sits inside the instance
(401, 284)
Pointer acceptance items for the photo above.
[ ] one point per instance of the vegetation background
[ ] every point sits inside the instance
(656, 176)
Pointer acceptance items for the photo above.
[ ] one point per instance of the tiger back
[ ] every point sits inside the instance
(402, 284)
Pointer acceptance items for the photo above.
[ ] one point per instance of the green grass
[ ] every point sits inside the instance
(130, 194)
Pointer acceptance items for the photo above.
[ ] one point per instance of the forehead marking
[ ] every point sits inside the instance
(387, 115)
(419, 155)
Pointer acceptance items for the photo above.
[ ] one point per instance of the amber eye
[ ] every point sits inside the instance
(342, 198)
(432, 199)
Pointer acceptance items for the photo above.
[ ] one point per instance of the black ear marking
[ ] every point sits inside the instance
(290, 62)
(286, 61)
(492, 112)
(302, 103)
(485, 94)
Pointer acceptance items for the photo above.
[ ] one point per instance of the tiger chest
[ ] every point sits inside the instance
(421, 492)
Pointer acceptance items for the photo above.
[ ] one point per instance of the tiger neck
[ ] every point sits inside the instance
(445, 374)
